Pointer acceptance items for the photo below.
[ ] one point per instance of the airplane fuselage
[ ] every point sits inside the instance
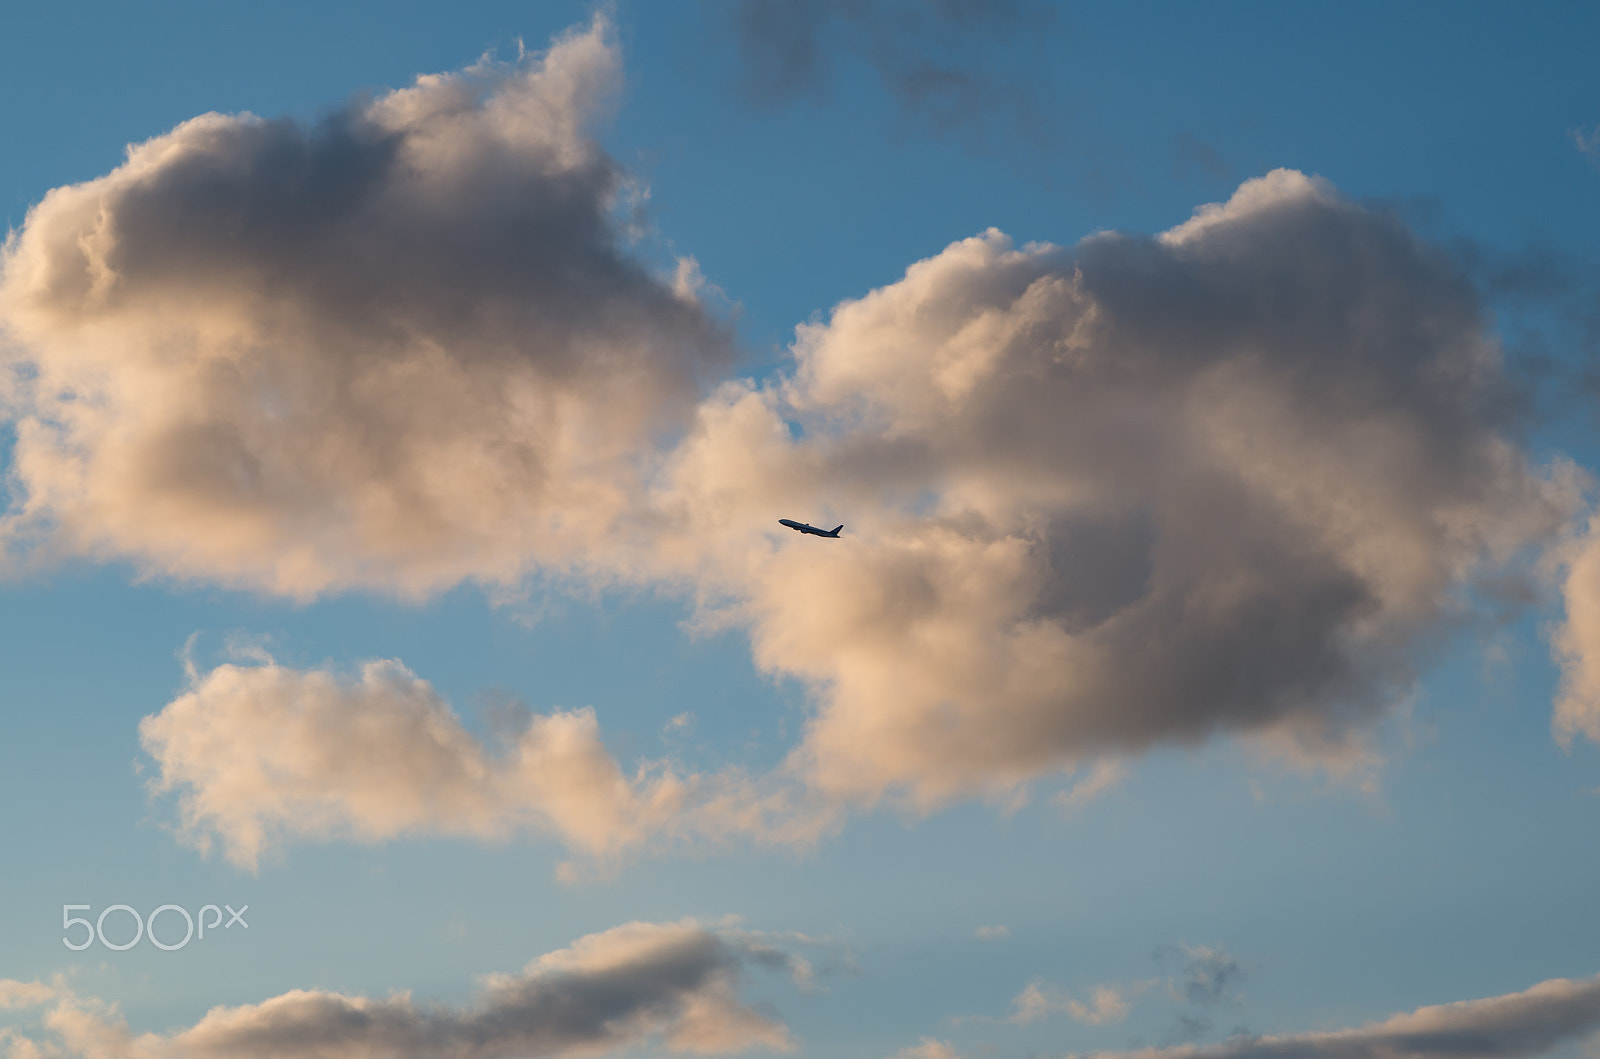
(804, 527)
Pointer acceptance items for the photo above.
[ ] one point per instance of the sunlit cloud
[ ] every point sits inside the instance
(399, 349)
(256, 755)
(675, 985)
(1239, 477)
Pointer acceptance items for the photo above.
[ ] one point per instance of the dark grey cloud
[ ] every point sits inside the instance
(1193, 156)
(1211, 976)
(951, 66)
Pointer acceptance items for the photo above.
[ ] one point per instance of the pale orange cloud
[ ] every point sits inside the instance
(258, 754)
(672, 984)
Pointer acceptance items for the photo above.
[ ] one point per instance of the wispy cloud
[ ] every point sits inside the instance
(1588, 141)
(1101, 778)
(1211, 976)
(1512, 1026)
(951, 66)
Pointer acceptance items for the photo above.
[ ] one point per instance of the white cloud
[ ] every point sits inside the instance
(260, 753)
(1503, 1027)
(673, 984)
(999, 930)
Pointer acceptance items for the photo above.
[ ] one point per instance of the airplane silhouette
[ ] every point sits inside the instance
(805, 527)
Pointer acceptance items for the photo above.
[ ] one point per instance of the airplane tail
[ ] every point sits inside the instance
(836, 530)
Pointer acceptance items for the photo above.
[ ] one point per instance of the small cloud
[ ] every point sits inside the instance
(679, 725)
(1106, 1004)
(1105, 775)
(1191, 155)
(1512, 1026)
(999, 930)
(15, 994)
(1209, 979)
(1588, 142)
(928, 1049)
(951, 68)
(1191, 1027)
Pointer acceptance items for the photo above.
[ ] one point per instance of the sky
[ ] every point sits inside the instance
(397, 403)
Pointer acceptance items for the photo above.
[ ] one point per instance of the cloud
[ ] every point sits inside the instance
(15, 994)
(949, 65)
(1576, 641)
(257, 754)
(1192, 155)
(676, 984)
(1504, 1027)
(1588, 142)
(1106, 1004)
(1104, 776)
(993, 933)
(401, 348)
(928, 1049)
(1238, 477)
(1210, 976)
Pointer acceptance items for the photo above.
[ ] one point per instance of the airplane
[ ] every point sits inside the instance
(804, 527)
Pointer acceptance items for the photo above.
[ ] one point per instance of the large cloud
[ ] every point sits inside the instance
(1237, 477)
(398, 349)
(673, 983)
(260, 753)
(1504, 1027)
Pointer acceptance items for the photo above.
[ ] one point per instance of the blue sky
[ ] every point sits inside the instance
(1218, 884)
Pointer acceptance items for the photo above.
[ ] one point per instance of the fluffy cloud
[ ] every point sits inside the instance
(260, 753)
(1236, 477)
(1503, 1027)
(675, 983)
(398, 349)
